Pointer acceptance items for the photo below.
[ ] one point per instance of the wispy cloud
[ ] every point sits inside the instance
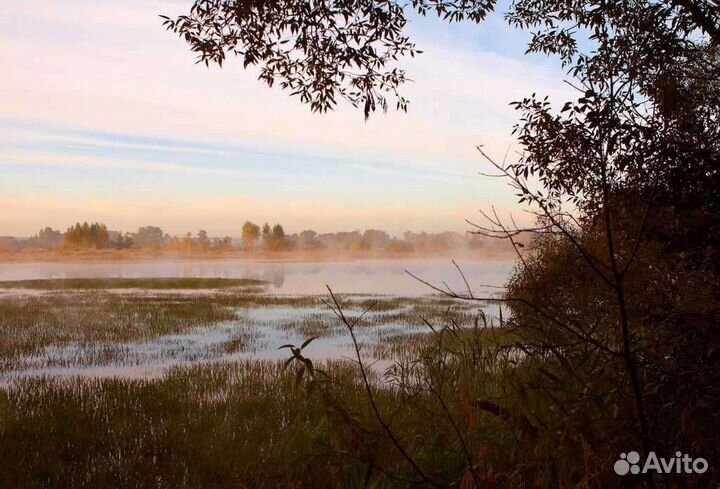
(101, 90)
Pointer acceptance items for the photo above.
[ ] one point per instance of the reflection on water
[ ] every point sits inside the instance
(369, 276)
(256, 334)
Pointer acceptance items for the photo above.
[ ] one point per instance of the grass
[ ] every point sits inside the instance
(31, 323)
(99, 327)
(209, 424)
(218, 425)
(130, 283)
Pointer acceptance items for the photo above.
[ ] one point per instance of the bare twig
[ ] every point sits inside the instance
(337, 310)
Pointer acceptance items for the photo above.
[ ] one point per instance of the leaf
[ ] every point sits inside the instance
(308, 341)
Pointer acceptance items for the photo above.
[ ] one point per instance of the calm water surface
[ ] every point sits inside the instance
(363, 277)
(267, 326)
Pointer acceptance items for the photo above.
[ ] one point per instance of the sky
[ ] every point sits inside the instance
(104, 116)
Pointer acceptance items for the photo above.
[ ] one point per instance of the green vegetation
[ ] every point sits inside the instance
(446, 388)
(97, 325)
(30, 323)
(613, 305)
(610, 341)
(213, 426)
(86, 235)
(254, 239)
(130, 283)
(219, 424)
(250, 234)
(241, 424)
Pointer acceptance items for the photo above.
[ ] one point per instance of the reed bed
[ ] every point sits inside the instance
(213, 416)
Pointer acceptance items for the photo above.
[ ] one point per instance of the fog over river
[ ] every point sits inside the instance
(364, 277)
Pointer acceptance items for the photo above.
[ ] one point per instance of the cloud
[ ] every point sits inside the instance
(112, 67)
(101, 86)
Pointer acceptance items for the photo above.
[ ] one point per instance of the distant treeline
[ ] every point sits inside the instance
(253, 237)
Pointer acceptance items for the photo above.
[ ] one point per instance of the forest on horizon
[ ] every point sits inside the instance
(252, 238)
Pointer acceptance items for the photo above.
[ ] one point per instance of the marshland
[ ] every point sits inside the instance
(194, 382)
(345, 244)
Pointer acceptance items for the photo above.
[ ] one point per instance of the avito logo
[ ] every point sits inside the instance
(679, 464)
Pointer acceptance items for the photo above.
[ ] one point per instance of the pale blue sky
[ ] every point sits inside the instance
(104, 116)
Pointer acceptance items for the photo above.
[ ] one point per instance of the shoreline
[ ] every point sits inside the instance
(148, 256)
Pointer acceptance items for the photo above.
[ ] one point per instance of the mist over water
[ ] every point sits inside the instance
(346, 277)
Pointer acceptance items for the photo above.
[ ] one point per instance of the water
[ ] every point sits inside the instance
(364, 277)
(260, 333)
(262, 330)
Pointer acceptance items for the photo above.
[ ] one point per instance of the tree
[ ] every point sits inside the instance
(250, 234)
(278, 233)
(613, 307)
(266, 233)
(187, 242)
(308, 240)
(341, 240)
(628, 174)
(276, 239)
(203, 240)
(148, 237)
(222, 244)
(375, 238)
(348, 49)
(120, 240)
(349, 43)
(48, 238)
(86, 235)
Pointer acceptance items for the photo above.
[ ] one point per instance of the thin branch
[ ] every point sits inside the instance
(470, 293)
(641, 230)
(525, 302)
(337, 310)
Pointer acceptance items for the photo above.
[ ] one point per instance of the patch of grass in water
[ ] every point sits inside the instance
(318, 325)
(240, 341)
(91, 322)
(130, 283)
(214, 425)
(30, 323)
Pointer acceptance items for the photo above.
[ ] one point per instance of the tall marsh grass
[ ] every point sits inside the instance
(245, 423)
